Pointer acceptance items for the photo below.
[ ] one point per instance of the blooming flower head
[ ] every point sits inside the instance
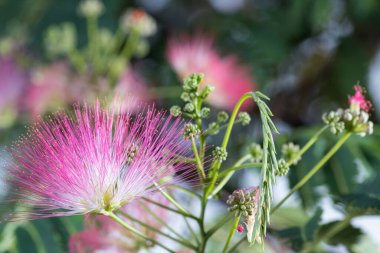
(358, 101)
(102, 234)
(197, 54)
(12, 83)
(95, 162)
(138, 20)
(49, 88)
(130, 89)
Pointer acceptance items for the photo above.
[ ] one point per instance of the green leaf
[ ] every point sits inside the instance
(361, 203)
(311, 227)
(348, 236)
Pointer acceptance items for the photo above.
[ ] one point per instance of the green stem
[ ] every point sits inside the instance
(218, 225)
(307, 145)
(190, 192)
(92, 33)
(33, 232)
(216, 165)
(161, 221)
(201, 172)
(135, 231)
(130, 45)
(229, 175)
(315, 169)
(170, 209)
(172, 200)
(243, 166)
(233, 248)
(232, 232)
(191, 230)
(157, 231)
(339, 226)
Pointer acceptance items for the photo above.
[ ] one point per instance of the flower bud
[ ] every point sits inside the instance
(244, 118)
(222, 117)
(220, 154)
(205, 112)
(189, 107)
(175, 110)
(256, 152)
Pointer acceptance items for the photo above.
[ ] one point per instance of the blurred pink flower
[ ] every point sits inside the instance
(13, 81)
(95, 162)
(197, 54)
(102, 234)
(131, 91)
(49, 89)
(358, 100)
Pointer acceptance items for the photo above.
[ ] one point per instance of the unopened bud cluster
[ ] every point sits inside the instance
(214, 127)
(193, 97)
(351, 119)
(191, 131)
(244, 118)
(91, 8)
(242, 202)
(132, 151)
(220, 154)
(289, 156)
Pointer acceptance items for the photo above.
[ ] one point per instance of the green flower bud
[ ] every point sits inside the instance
(91, 8)
(207, 90)
(205, 112)
(185, 96)
(244, 118)
(243, 202)
(222, 117)
(175, 110)
(191, 83)
(256, 152)
(220, 154)
(189, 107)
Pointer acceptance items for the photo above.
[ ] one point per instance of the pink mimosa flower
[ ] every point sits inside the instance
(12, 83)
(95, 162)
(131, 91)
(102, 234)
(198, 55)
(48, 89)
(358, 100)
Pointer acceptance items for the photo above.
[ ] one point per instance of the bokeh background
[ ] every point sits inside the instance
(306, 55)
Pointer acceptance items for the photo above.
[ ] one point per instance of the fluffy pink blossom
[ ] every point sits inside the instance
(102, 234)
(197, 54)
(49, 88)
(358, 99)
(12, 83)
(95, 162)
(130, 91)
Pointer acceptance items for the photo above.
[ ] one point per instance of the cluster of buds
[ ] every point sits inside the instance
(193, 97)
(138, 20)
(131, 153)
(244, 202)
(60, 39)
(354, 119)
(190, 131)
(289, 156)
(244, 118)
(220, 154)
(214, 127)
